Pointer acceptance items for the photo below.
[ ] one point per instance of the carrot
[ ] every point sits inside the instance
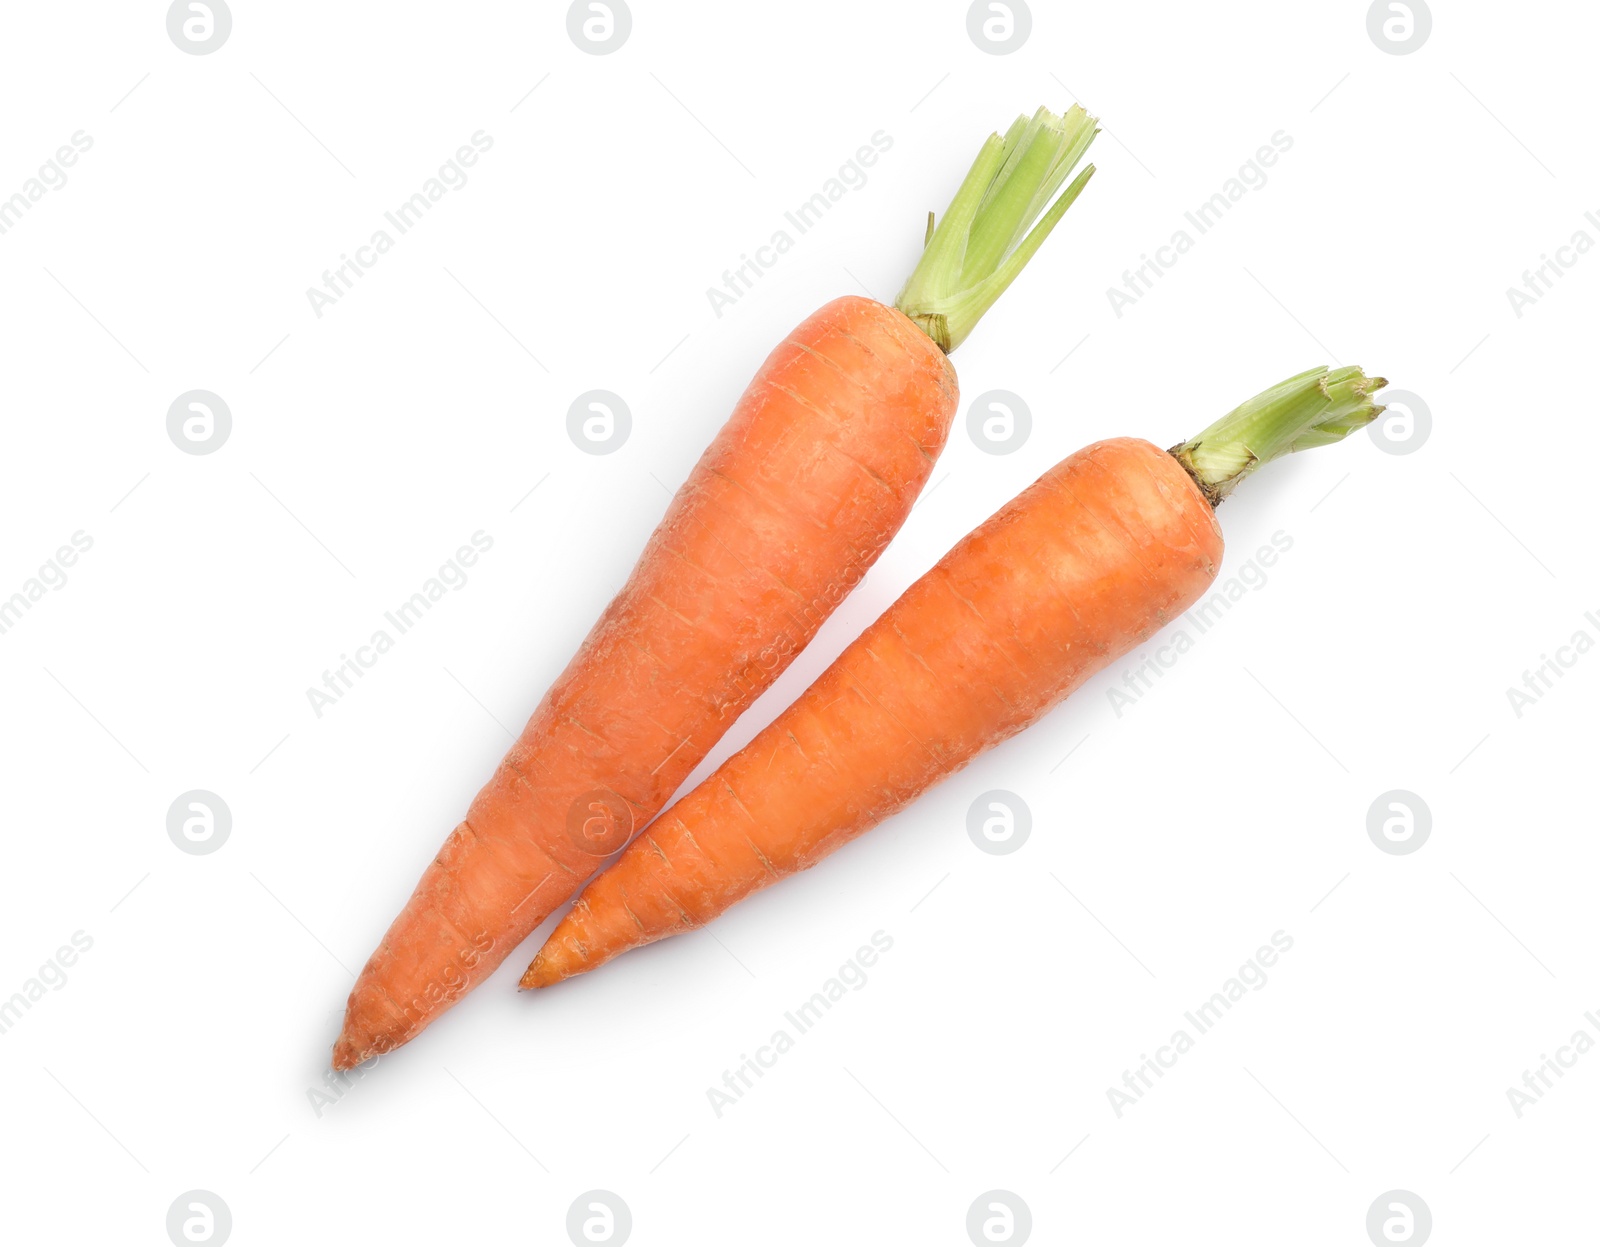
(1083, 566)
(794, 500)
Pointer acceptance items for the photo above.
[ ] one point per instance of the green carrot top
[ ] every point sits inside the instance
(985, 239)
(1315, 408)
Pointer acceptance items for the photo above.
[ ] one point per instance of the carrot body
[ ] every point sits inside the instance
(797, 496)
(1080, 568)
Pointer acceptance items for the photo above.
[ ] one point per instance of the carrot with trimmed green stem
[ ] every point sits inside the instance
(1083, 566)
(794, 500)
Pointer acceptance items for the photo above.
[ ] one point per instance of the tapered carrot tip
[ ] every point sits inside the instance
(550, 966)
(371, 1026)
(599, 925)
(364, 1036)
(345, 1053)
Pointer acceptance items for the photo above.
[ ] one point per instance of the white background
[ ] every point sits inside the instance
(1230, 802)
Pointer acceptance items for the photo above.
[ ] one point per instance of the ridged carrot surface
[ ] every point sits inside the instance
(794, 500)
(1080, 568)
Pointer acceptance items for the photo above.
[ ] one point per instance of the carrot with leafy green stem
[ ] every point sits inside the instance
(801, 490)
(1084, 565)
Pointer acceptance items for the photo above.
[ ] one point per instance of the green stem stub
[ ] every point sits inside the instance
(993, 225)
(1316, 408)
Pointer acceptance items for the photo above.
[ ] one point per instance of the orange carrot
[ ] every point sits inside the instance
(795, 499)
(1083, 566)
